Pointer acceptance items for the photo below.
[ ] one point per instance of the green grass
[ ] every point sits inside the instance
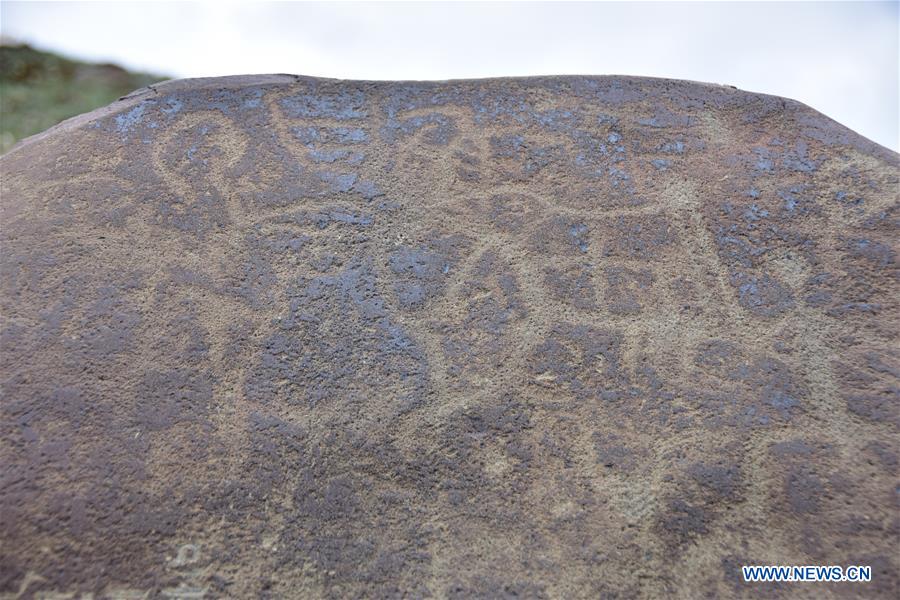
(40, 89)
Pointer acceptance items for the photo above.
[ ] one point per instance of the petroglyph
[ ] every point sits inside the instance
(570, 337)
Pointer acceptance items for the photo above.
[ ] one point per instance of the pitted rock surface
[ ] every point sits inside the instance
(577, 337)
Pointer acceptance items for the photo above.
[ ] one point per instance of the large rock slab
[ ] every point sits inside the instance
(570, 337)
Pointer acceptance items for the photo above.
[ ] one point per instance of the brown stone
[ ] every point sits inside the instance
(569, 337)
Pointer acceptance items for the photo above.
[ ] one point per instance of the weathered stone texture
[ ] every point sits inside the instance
(576, 337)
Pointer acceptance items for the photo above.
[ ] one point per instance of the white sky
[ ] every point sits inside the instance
(841, 58)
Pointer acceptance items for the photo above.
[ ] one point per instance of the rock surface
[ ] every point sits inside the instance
(575, 337)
